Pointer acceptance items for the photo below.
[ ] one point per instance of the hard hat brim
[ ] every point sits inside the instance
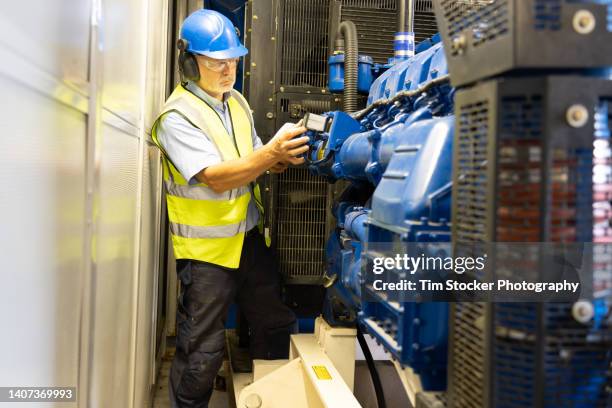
(233, 52)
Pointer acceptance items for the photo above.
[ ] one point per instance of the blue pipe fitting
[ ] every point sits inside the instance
(336, 73)
(403, 45)
(355, 225)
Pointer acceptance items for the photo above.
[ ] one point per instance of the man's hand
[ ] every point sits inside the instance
(285, 148)
(279, 167)
(234, 173)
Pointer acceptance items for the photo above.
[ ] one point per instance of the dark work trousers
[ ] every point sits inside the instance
(207, 291)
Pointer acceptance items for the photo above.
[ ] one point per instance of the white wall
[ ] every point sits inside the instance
(78, 300)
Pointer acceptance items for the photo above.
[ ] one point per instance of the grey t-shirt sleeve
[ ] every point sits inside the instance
(189, 149)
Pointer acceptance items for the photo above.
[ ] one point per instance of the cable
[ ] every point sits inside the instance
(378, 389)
(403, 94)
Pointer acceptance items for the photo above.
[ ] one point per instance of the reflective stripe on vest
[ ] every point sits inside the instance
(205, 225)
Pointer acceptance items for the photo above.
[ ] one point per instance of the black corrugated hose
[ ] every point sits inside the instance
(378, 389)
(348, 32)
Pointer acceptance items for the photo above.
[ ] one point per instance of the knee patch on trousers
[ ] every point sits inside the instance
(197, 379)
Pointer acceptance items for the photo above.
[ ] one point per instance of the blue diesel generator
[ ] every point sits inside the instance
(521, 158)
(396, 156)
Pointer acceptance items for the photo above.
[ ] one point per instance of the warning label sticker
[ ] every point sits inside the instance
(321, 372)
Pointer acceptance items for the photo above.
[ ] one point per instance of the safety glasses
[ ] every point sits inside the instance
(220, 65)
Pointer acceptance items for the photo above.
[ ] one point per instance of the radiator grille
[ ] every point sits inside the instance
(301, 203)
(301, 219)
(375, 30)
(305, 43)
(425, 25)
(471, 184)
(305, 34)
(301, 206)
(376, 22)
(371, 4)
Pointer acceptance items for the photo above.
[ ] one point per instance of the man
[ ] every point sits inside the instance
(211, 157)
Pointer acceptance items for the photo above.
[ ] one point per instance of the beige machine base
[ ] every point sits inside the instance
(320, 373)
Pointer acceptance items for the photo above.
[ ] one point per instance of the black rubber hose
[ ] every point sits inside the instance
(378, 389)
(348, 32)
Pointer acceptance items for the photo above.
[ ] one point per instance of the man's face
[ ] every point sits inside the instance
(216, 76)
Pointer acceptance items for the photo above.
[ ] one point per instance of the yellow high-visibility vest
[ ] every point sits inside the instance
(205, 225)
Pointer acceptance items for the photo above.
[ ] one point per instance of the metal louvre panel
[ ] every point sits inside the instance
(376, 28)
(376, 22)
(467, 350)
(486, 38)
(291, 188)
(507, 149)
(459, 13)
(301, 220)
(472, 184)
(300, 198)
(425, 25)
(372, 4)
(468, 338)
(305, 39)
(419, 6)
(489, 19)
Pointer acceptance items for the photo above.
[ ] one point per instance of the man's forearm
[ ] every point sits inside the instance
(238, 172)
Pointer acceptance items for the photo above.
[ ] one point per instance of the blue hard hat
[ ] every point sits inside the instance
(212, 34)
